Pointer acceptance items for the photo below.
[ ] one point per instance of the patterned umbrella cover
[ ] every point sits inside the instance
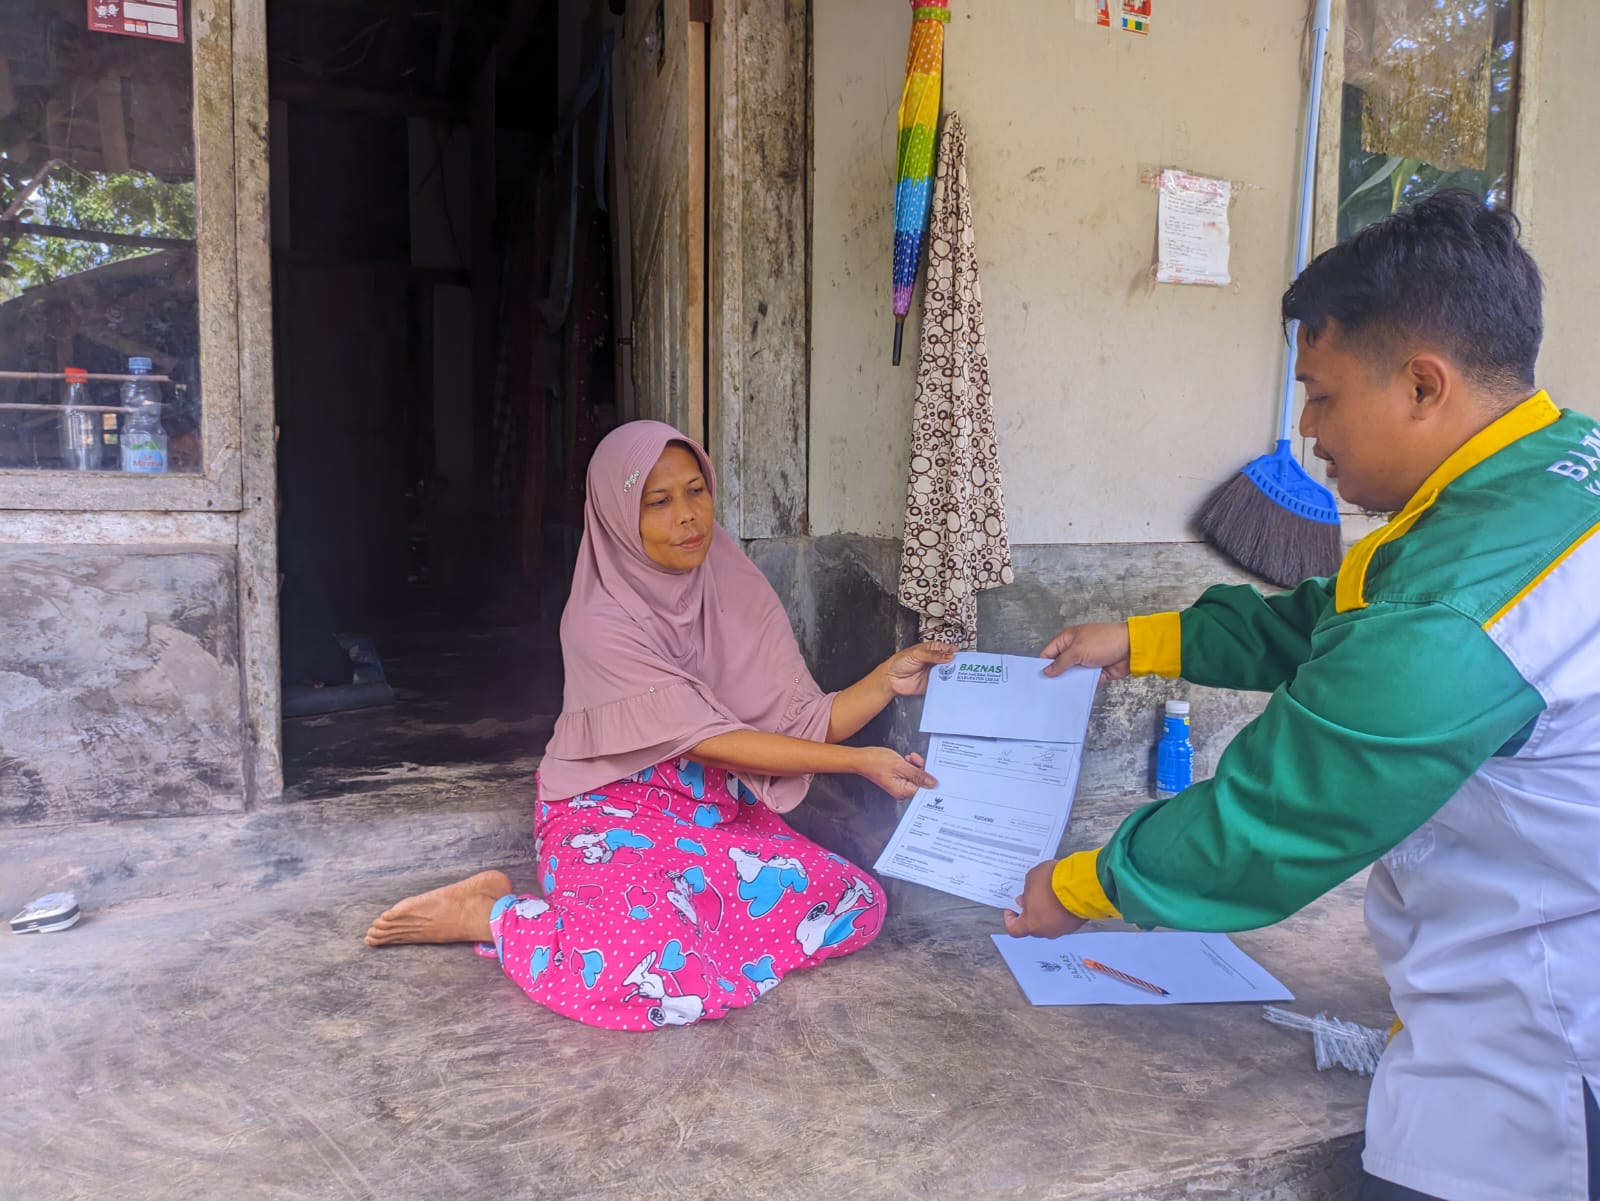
(919, 121)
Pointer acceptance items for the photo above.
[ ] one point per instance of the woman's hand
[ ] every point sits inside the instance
(898, 775)
(907, 672)
(1103, 644)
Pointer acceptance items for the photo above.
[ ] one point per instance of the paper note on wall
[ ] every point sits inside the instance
(1192, 247)
(1094, 12)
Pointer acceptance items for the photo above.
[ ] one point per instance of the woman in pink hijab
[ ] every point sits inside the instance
(672, 889)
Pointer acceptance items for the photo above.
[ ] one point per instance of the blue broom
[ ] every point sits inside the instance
(1273, 519)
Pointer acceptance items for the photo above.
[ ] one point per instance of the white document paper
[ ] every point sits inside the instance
(1008, 696)
(1191, 967)
(1192, 243)
(1001, 807)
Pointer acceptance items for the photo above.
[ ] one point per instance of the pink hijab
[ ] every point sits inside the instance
(658, 661)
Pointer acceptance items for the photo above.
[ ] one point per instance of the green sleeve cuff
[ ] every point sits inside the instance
(1076, 883)
(1156, 645)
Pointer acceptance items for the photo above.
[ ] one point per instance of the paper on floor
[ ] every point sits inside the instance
(1192, 968)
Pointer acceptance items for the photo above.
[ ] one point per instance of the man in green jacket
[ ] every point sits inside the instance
(1435, 714)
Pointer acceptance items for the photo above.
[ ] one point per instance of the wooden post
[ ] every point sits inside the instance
(258, 524)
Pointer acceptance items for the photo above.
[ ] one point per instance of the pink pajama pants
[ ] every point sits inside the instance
(673, 897)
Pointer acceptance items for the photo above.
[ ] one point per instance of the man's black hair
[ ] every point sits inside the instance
(1446, 272)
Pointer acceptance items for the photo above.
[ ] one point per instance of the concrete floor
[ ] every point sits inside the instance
(215, 1029)
(239, 1042)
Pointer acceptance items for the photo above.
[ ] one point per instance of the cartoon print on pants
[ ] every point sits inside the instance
(601, 802)
(587, 895)
(594, 962)
(639, 902)
(693, 776)
(824, 927)
(549, 880)
(762, 882)
(684, 887)
(601, 848)
(760, 974)
(644, 981)
(537, 963)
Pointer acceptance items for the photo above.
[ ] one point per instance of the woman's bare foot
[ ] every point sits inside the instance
(457, 912)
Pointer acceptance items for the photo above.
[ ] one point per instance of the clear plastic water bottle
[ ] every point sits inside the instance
(143, 440)
(81, 447)
(1175, 755)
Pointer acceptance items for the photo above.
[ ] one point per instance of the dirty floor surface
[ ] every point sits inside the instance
(248, 1046)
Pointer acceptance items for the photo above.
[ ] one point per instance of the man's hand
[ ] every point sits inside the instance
(1043, 915)
(1103, 644)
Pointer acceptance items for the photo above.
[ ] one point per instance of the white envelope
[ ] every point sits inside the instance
(1008, 696)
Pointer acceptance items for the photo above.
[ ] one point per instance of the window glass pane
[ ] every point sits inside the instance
(1430, 101)
(97, 239)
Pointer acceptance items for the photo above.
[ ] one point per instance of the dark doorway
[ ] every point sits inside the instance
(444, 299)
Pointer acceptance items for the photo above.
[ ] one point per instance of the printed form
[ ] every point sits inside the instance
(1002, 803)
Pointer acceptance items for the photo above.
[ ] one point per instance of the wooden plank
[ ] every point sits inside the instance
(1525, 143)
(120, 529)
(113, 124)
(759, 229)
(620, 203)
(258, 532)
(694, 282)
(665, 347)
(216, 215)
(1325, 205)
(12, 228)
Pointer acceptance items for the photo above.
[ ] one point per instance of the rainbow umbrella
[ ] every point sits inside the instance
(919, 120)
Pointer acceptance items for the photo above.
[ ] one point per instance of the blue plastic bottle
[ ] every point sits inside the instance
(1175, 755)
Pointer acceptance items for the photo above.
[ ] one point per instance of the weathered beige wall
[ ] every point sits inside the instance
(1120, 404)
(1562, 169)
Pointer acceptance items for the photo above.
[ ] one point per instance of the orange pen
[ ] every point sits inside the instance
(1125, 978)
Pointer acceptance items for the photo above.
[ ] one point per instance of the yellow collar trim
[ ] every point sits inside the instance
(1528, 417)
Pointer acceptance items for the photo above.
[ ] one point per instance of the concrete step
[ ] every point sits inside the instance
(388, 821)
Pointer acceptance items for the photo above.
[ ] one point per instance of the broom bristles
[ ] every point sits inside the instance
(1267, 540)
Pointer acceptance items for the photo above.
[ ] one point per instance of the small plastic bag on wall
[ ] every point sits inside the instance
(1423, 67)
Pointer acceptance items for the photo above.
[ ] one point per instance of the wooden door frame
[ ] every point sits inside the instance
(758, 308)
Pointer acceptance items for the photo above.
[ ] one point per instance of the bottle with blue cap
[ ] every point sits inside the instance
(1175, 755)
(143, 440)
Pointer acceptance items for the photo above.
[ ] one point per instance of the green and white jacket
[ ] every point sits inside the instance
(1435, 712)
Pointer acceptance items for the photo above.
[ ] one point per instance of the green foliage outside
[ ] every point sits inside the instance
(128, 202)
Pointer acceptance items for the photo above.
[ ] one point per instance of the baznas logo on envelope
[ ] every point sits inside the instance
(947, 672)
(982, 673)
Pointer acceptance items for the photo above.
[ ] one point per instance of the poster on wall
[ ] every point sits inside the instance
(1192, 242)
(158, 20)
(1136, 16)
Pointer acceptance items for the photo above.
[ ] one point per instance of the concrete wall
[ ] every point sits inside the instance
(120, 688)
(1119, 404)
